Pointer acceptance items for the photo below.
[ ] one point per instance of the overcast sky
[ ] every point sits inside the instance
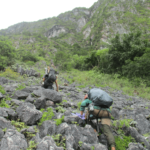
(15, 11)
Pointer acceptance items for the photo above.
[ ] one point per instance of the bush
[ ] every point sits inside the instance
(30, 63)
(46, 115)
(2, 90)
(9, 73)
(7, 53)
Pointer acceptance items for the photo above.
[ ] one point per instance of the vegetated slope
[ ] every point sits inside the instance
(90, 28)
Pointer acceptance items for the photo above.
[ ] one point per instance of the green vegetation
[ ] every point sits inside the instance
(60, 109)
(9, 73)
(59, 140)
(2, 90)
(123, 142)
(7, 52)
(79, 105)
(46, 115)
(80, 143)
(20, 87)
(32, 145)
(99, 79)
(120, 123)
(59, 121)
(19, 125)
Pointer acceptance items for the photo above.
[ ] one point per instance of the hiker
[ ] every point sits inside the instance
(97, 111)
(49, 78)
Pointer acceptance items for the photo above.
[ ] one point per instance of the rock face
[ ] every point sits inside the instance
(55, 31)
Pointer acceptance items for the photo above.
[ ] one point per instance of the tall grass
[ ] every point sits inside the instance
(98, 79)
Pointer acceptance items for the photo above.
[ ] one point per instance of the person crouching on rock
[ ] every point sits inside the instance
(49, 79)
(102, 113)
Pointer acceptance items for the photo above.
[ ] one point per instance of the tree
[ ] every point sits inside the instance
(127, 48)
(7, 53)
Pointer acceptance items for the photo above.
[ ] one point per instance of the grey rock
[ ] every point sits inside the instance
(5, 124)
(1, 96)
(136, 146)
(8, 113)
(28, 113)
(48, 143)
(131, 131)
(49, 103)
(1, 133)
(30, 99)
(13, 140)
(47, 128)
(49, 95)
(20, 95)
(142, 124)
(98, 146)
(71, 119)
(40, 102)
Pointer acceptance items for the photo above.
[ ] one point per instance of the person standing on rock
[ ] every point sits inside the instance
(49, 79)
(96, 111)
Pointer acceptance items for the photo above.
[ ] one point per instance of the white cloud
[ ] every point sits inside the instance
(15, 11)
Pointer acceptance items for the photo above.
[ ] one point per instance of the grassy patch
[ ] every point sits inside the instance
(98, 79)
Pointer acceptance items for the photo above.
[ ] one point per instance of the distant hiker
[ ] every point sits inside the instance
(49, 78)
(98, 103)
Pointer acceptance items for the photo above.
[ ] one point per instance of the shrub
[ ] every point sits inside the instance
(9, 73)
(2, 90)
(79, 105)
(46, 115)
(123, 142)
(59, 121)
(20, 87)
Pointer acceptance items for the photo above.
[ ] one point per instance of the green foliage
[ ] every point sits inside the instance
(92, 147)
(20, 87)
(7, 52)
(19, 125)
(130, 47)
(32, 145)
(9, 73)
(2, 90)
(59, 140)
(60, 109)
(29, 57)
(123, 142)
(79, 105)
(59, 121)
(120, 123)
(4, 104)
(80, 143)
(5, 129)
(46, 115)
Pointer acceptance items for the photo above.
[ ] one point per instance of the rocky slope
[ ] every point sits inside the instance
(30, 104)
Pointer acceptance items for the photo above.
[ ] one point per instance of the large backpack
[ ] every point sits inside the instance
(50, 78)
(100, 98)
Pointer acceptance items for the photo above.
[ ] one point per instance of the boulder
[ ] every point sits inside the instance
(40, 102)
(13, 140)
(47, 128)
(20, 95)
(49, 103)
(48, 143)
(5, 124)
(8, 113)
(1, 96)
(136, 146)
(28, 114)
(49, 95)
(97, 146)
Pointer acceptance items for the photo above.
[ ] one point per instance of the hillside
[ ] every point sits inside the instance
(93, 27)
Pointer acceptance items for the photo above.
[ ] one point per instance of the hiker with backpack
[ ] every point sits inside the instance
(98, 103)
(49, 79)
